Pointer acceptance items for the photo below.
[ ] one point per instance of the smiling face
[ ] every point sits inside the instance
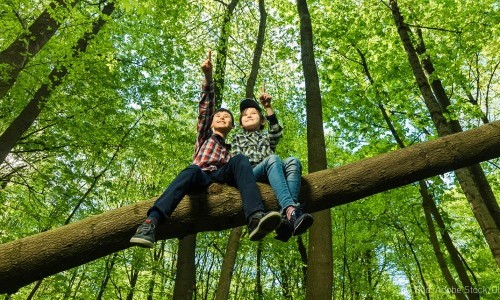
(222, 123)
(251, 119)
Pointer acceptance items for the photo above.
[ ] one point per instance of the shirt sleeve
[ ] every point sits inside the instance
(205, 113)
(275, 131)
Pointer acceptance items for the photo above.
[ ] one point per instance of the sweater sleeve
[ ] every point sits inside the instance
(275, 131)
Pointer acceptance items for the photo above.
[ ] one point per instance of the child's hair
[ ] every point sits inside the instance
(248, 103)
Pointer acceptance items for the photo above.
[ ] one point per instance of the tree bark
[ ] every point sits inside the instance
(228, 263)
(320, 259)
(34, 257)
(186, 270)
(19, 53)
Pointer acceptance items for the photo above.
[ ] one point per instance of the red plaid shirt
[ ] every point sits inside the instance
(210, 152)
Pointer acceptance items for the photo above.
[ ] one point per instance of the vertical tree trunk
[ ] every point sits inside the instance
(303, 256)
(134, 275)
(20, 52)
(258, 285)
(228, 263)
(222, 46)
(110, 262)
(158, 257)
(235, 236)
(233, 244)
(186, 269)
(426, 203)
(257, 53)
(472, 179)
(409, 245)
(32, 110)
(285, 273)
(320, 270)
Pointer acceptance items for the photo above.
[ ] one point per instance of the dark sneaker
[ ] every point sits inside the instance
(301, 221)
(145, 235)
(261, 223)
(284, 231)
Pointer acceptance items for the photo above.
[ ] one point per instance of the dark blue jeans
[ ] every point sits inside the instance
(237, 172)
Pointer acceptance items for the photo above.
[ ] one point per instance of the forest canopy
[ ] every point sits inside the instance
(98, 112)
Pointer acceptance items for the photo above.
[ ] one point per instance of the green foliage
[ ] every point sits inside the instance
(122, 125)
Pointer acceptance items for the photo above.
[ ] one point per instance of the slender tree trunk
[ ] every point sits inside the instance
(185, 275)
(344, 255)
(407, 270)
(457, 260)
(303, 256)
(228, 263)
(233, 244)
(34, 257)
(258, 284)
(32, 110)
(428, 204)
(417, 261)
(222, 46)
(134, 275)
(110, 263)
(472, 180)
(320, 271)
(34, 289)
(28, 44)
(285, 278)
(257, 53)
(159, 256)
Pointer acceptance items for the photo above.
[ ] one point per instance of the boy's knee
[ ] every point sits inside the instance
(273, 158)
(293, 162)
(192, 168)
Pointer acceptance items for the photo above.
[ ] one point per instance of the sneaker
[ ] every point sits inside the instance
(261, 223)
(284, 231)
(145, 235)
(301, 221)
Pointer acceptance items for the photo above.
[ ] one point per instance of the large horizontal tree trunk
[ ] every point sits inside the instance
(29, 259)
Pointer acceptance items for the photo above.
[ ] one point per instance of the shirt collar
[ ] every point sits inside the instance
(220, 139)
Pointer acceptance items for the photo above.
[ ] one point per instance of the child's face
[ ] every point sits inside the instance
(222, 122)
(250, 119)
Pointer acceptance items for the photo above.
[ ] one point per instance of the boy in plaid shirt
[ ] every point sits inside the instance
(212, 162)
(284, 176)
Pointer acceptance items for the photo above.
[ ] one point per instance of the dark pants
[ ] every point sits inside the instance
(237, 172)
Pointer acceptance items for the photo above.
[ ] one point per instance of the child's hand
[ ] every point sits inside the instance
(265, 98)
(206, 66)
